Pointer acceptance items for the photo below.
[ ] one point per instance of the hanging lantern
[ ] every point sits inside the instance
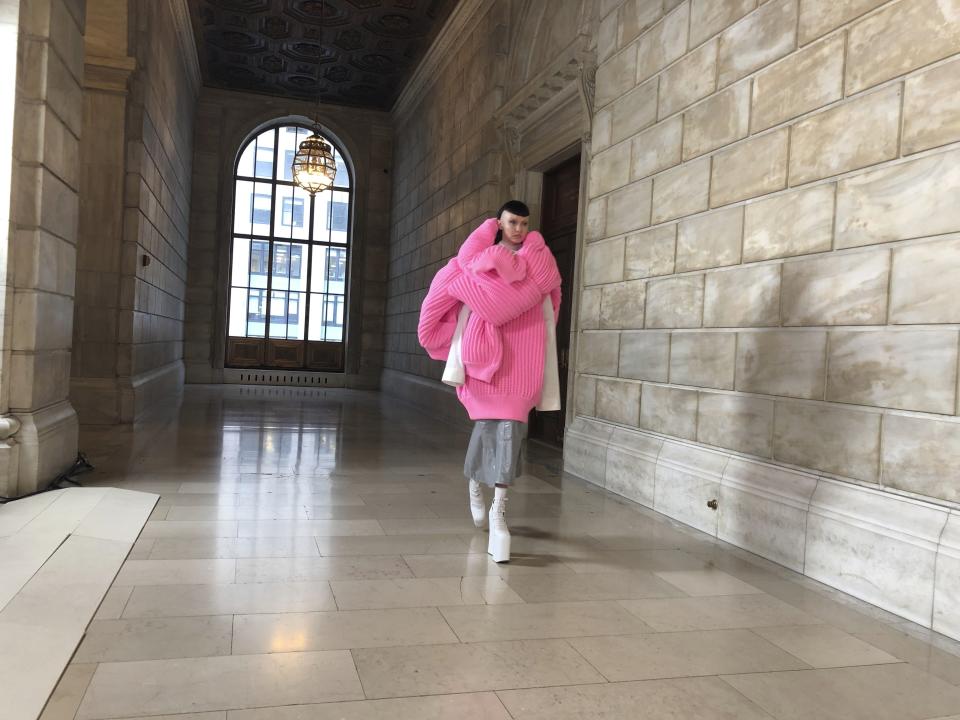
(314, 168)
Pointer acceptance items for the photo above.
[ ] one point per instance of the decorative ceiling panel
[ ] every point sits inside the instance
(346, 52)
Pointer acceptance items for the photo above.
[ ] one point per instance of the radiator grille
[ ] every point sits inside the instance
(283, 378)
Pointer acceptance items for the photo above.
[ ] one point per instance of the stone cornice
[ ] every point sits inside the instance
(439, 54)
(108, 74)
(187, 42)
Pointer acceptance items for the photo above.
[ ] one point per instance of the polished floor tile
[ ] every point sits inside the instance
(716, 613)
(155, 639)
(541, 620)
(331, 530)
(258, 570)
(229, 599)
(686, 654)
(878, 692)
(232, 548)
(687, 699)
(394, 544)
(822, 646)
(468, 706)
(422, 592)
(176, 572)
(702, 583)
(165, 687)
(296, 632)
(439, 669)
(565, 587)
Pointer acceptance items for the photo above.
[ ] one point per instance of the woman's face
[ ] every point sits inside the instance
(514, 227)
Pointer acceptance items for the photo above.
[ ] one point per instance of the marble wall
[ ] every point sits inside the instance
(771, 264)
(39, 253)
(142, 83)
(224, 122)
(768, 301)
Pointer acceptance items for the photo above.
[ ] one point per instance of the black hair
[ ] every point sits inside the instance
(511, 206)
(514, 206)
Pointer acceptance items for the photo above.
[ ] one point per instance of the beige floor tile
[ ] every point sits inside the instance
(155, 639)
(235, 512)
(421, 592)
(307, 497)
(593, 562)
(165, 687)
(394, 545)
(141, 549)
(439, 669)
(229, 599)
(296, 632)
(822, 646)
(569, 587)
(923, 655)
(469, 706)
(113, 603)
(428, 527)
(704, 583)
(258, 570)
(309, 528)
(217, 715)
(716, 613)
(66, 697)
(878, 692)
(686, 699)
(482, 564)
(232, 548)
(176, 572)
(686, 654)
(540, 620)
(189, 528)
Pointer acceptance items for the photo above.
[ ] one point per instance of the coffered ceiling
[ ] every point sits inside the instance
(350, 52)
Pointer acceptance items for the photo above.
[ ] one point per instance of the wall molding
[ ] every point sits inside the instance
(187, 43)
(900, 554)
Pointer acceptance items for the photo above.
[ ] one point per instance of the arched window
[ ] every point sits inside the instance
(289, 261)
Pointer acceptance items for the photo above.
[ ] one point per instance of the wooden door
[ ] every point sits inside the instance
(561, 200)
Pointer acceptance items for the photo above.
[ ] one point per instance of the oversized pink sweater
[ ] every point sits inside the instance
(503, 343)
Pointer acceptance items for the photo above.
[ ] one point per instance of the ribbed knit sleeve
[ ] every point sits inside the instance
(494, 300)
(438, 314)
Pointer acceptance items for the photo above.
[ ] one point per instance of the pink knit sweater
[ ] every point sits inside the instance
(503, 343)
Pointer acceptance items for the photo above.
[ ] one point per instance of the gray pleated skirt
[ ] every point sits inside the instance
(493, 455)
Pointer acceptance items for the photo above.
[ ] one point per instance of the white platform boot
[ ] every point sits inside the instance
(499, 544)
(477, 508)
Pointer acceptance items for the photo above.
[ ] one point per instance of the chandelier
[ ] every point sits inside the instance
(314, 168)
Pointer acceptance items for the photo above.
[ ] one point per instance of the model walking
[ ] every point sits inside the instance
(491, 314)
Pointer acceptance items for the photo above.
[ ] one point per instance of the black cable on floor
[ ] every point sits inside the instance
(65, 479)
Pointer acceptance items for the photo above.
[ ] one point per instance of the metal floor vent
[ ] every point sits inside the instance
(284, 378)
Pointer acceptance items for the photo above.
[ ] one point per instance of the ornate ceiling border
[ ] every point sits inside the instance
(441, 51)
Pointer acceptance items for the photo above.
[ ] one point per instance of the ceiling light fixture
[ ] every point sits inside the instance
(314, 167)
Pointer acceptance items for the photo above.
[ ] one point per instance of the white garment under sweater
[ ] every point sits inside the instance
(454, 374)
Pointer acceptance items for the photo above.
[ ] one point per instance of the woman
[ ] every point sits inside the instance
(493, 307)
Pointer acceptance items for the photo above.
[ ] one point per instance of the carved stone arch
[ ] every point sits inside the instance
(540, 32)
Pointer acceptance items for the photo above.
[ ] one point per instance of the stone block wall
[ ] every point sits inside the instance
(773, 244)
(141, 86)
(447, 177)
(768, 313)
(39, 262)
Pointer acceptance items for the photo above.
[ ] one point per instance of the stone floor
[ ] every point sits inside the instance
(312, 558)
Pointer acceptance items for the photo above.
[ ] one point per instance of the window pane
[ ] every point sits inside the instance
(296, 315)
(299, 255)
(338, 217)
(333, 307)
(259, 214)
(316, 317)
(245, 166)
(292, 213)
(259, 263)
(290, 139)
(239, 273)
(278, 314)
(263, 157)
(243, 200)
(343, 177)
(238, 312)
(321, 211)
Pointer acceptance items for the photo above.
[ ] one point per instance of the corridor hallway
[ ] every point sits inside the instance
(312, 557)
